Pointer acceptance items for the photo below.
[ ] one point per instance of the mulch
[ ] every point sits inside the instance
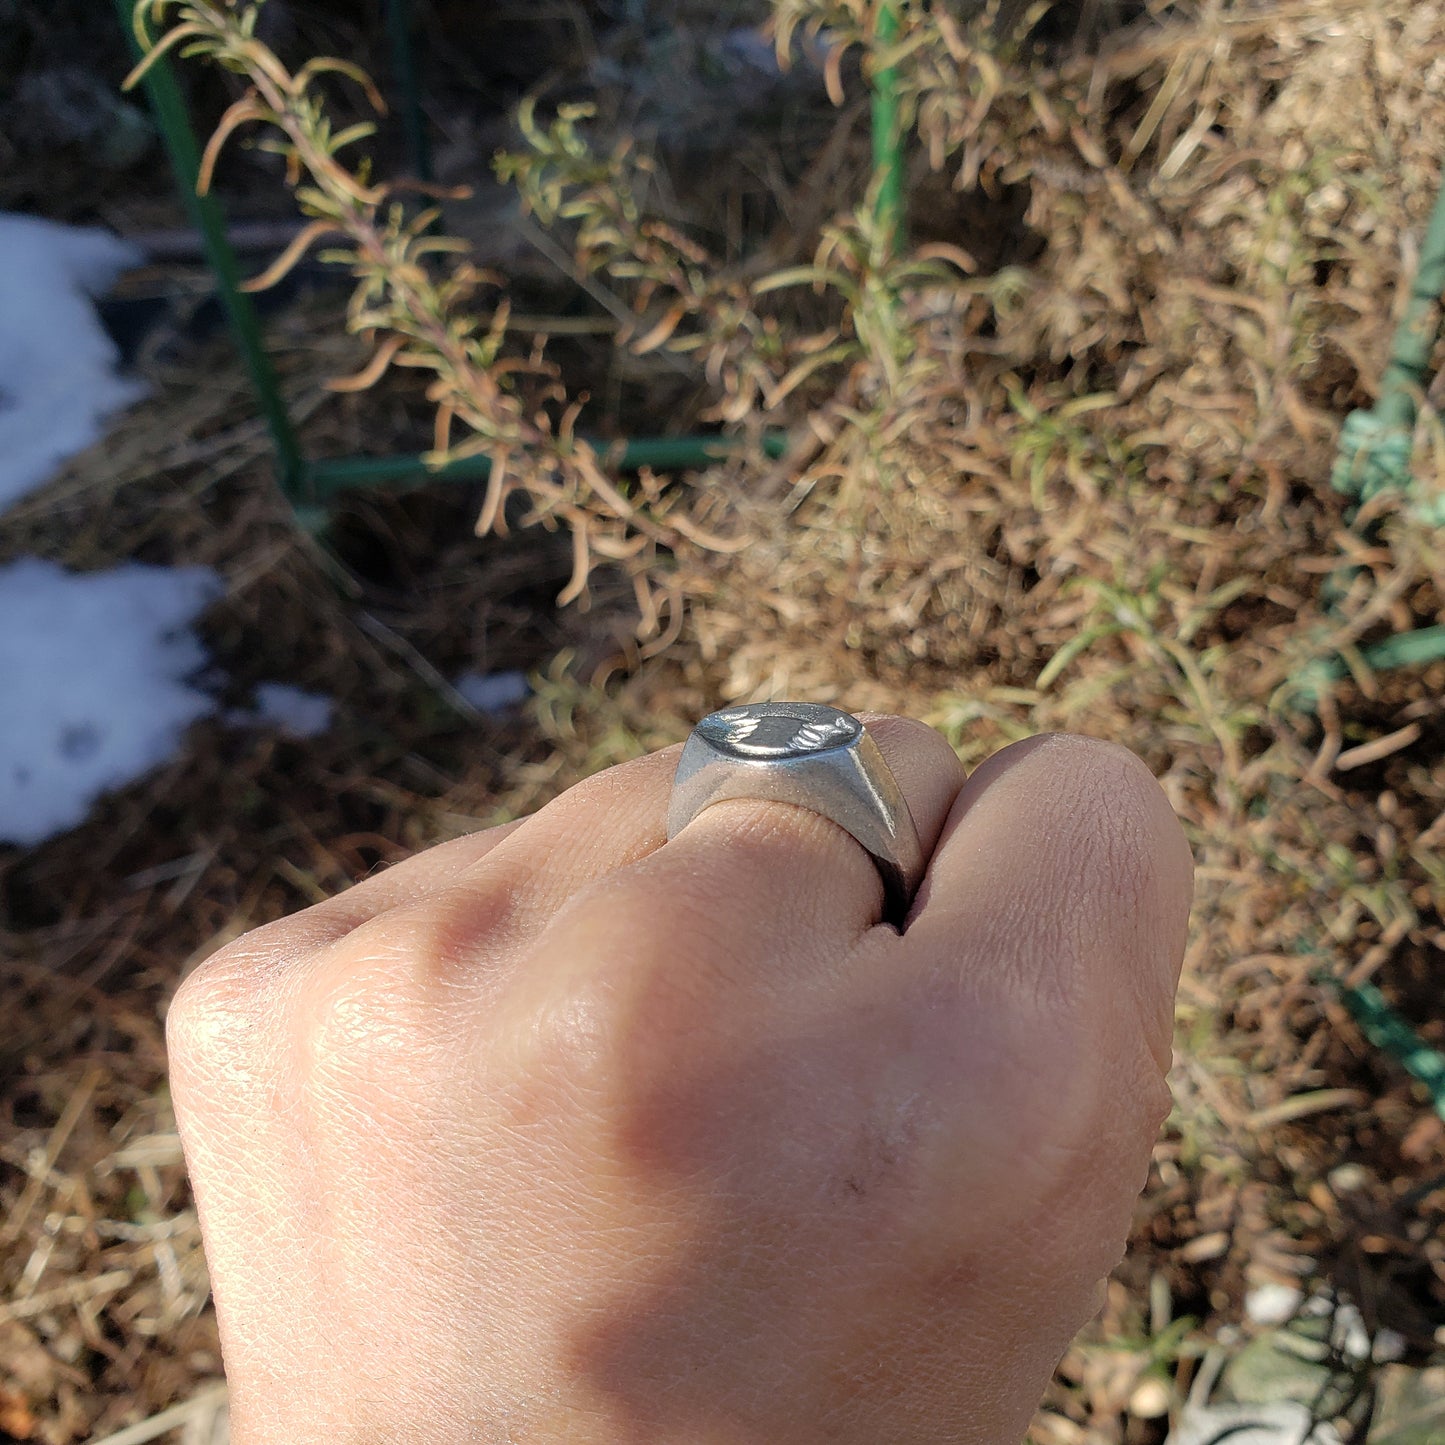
(1095, 497)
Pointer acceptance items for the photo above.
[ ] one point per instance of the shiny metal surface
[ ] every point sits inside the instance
(815, 757)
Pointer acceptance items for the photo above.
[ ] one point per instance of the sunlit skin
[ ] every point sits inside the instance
(563, 1132)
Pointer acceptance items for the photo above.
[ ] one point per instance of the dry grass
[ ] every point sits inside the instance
(1097, 500)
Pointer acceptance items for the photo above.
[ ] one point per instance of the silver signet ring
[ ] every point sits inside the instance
(815, 757)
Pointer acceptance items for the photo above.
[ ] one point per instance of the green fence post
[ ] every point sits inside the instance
(888, 137)
(1389, 1033)
(168, 107)
(331, 478)
(403, 61)
(1374, 454)
(1375, 445)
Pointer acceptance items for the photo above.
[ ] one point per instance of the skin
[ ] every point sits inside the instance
(566, 1133)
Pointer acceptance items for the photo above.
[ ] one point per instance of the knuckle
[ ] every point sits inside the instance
(347, 1047)
(632, 1020)
(358, 1012)
(391, 1007)
(230, 1016)
(223, 1031)
(911, 731)
(604, 792)
(229, 997)
(222, 1005)
(246, 966)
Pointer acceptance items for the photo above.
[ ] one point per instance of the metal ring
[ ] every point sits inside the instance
(815, 757)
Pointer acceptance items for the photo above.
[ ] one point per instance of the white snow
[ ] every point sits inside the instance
(92, 684)
(493, 691)
(57, 362)
(295, 712)
(94, 666)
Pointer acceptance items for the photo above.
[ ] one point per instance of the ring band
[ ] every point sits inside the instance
(815, 757)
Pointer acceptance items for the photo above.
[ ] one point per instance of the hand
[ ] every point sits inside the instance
(565, 1133)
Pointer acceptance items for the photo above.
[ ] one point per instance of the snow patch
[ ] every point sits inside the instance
(57, 362)
(92, 684)
(297, 713)
(493, 691)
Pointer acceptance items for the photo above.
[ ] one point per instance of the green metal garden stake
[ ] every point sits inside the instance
(309, 486)
(1375, 445)
(1392, 1035)
(888, 166)
(403, 60)
(169, 109)
(330, 479)
(1375, 449)
(1374, 455)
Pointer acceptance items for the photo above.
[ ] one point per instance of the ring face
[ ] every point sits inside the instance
(768, 730)
(814, 757)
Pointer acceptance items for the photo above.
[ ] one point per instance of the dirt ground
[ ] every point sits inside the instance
(1094, 497)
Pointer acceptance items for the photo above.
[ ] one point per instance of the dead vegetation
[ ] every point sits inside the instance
(1084, 487)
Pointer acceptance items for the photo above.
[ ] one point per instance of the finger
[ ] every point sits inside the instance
(597, 827)
(602, 823)
(609, 823)
(1046, 940)
(1062, 874)
(403, 883)
(601, 826)
(763, 880)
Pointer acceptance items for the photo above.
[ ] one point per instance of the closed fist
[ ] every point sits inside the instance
(564, 1132)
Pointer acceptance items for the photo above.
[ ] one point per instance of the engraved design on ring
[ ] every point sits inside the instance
(754, 734)
(812, 756)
